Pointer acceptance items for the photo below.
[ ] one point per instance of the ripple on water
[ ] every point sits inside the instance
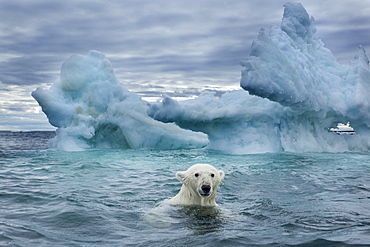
(98, 197)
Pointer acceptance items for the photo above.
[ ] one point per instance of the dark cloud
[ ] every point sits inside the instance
(150, 35)
(345, 49)
(29, 70)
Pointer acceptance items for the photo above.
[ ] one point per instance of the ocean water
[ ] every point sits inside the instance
(102, 197)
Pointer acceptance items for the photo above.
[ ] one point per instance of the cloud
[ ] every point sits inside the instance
(19, 111)
(158, 34)
(179, 47)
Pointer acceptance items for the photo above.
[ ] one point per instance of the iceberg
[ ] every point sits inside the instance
(293, 92)
(91, 109)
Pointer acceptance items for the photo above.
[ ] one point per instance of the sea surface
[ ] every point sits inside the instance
(103, 197)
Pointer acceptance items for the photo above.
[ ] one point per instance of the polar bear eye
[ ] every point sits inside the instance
(196, 174)
(212, 175)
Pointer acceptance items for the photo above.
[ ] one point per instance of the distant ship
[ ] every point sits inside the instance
(343, 129)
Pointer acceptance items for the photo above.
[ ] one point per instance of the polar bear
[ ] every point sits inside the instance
(199, 185)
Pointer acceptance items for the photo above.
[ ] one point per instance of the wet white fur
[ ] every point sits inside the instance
(191, 185)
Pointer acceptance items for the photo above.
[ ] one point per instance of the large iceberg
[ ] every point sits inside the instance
(299, 91)
(294, 91)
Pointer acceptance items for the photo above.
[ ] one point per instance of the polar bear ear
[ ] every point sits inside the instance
(180, 176)
(222, 174)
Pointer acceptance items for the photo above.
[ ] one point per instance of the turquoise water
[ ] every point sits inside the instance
(101, 197)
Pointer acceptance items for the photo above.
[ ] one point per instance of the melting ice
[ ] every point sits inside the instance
(294, 91)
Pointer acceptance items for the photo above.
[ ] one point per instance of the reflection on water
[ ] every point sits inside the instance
(198, 219)
(201, 220)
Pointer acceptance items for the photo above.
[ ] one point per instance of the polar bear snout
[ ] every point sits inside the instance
(205, 190)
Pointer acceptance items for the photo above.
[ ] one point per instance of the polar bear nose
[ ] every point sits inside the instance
(206, 188)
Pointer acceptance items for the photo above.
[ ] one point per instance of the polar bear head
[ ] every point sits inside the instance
(200, 183)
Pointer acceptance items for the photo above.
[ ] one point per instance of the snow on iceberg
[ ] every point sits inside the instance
(91, 109)
(302, 91)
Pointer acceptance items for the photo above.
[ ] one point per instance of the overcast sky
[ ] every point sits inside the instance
(177, 47)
